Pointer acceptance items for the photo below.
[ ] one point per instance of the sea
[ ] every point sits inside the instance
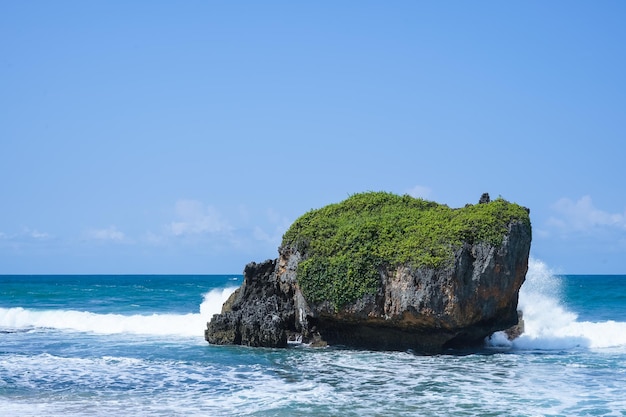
(133, 345)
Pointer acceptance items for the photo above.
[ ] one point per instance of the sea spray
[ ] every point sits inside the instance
(60, 373)
(548, 324)
(191, 324)
(213, 301)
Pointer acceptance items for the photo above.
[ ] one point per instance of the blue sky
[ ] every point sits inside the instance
(185, 137)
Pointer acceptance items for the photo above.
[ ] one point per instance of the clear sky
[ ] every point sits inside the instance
(185, 137)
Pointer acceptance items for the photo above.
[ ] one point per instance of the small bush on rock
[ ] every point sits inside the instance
(345, 245)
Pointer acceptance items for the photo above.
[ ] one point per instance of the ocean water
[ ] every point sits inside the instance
(133, 346)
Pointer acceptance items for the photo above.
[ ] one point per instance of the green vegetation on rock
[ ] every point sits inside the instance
(347, 244)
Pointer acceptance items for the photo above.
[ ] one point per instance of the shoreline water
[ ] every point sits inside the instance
(107, 349)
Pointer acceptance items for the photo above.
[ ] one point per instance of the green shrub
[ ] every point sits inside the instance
(346, 245)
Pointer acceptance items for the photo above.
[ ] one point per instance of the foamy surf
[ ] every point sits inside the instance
(61, 373)
(549, 325)
(191, 324)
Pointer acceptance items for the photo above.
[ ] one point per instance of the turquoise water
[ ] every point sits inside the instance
(133, 345)
(596, 297)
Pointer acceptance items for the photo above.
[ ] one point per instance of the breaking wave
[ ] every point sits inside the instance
(191, 324)
(548, 324)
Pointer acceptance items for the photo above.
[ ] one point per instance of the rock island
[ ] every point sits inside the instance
(383, 271)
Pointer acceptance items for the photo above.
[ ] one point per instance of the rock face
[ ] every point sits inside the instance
(424, 309)
(259, 313)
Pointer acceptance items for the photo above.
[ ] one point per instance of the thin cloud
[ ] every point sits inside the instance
(259, 234)
(279, 225)
(26, 235)
(35, 234)
(110, 233)
(194, 218)
(420, 191)
(153, 239)
(583, 216)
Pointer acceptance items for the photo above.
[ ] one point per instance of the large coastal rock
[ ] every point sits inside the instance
(445, 293)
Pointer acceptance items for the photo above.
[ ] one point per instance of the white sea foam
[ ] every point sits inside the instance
(306, 382)
(191, 324)
(131, 386)
(213, 301)
(550, 325)
(66, 374)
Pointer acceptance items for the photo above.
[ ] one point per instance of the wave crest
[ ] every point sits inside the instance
(191, 324)
(550, 325)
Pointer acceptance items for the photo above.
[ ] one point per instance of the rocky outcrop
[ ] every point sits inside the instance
(259, 313)
(424, 309)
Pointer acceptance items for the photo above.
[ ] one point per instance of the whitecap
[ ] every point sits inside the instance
(191, 324)
(549, 325)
